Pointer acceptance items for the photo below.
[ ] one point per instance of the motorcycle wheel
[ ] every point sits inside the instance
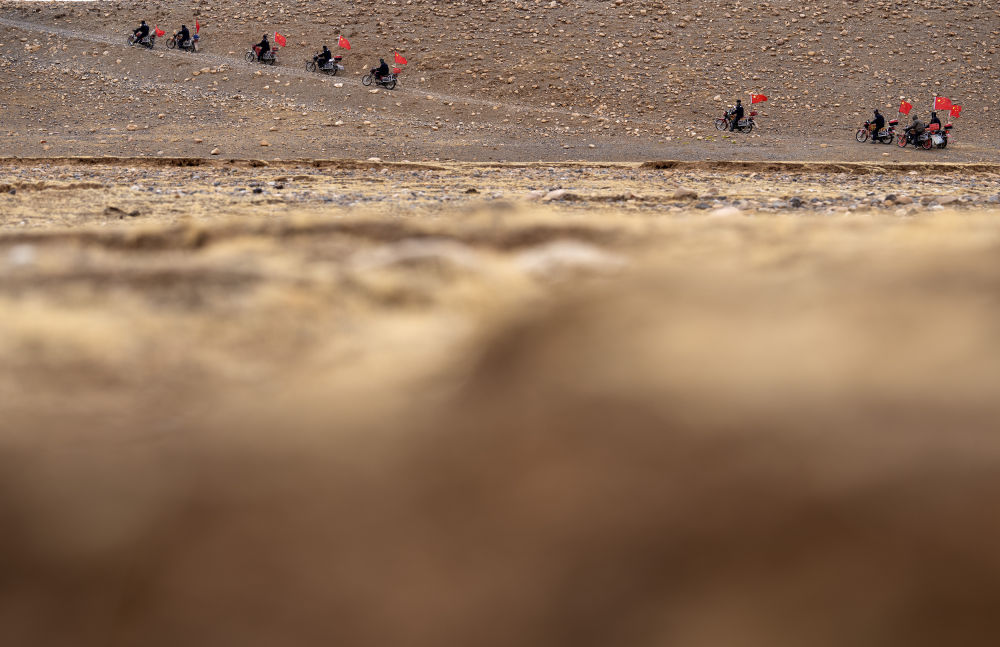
(749, 127)
(390, 85)
(332, 72)
(249, 57)
(270, 61)
(366, 79)
(171, 43)
(311, 66)
(887, 139)
(720, 124)
(927, 144)
(130, 41)
(861, 135)
(902, 141)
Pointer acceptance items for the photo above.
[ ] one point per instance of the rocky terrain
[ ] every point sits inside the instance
(496, 80)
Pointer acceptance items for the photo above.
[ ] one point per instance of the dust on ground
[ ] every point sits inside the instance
(484, 404)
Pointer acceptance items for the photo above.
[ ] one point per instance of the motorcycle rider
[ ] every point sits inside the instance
(914, 130)
(324, 57)
(183, 37)
(263, 47)
(935, 120)
(141, 32)
(382, 70)
(737, 114)
(878, 123)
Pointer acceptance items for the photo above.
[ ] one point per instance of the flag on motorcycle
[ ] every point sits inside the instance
(905, 107)
(197, 27)
(342, 42)
(398, 59)
(159, 32)
(956, 111)
(757, 98)
(279, 39)
(942, 103)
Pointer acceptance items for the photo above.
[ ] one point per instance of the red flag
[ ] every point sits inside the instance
(399, 59)
(197, 27)
(757, 98)
(279, 39)
(956, 111)
(942, 103)
(159, 32)
(905, 107)
(343, 43)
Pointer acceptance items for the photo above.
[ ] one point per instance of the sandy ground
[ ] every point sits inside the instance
(544, 404)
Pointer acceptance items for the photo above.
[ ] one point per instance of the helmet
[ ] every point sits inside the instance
(184, 26)
(143, 22)
(933, 113)
(739, 101)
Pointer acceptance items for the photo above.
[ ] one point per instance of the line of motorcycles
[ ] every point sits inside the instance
(933, 136)
(174, 42)
(331, 67)
(744, 125)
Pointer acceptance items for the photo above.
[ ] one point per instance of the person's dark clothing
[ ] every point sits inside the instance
(263, 47)
(935, 120)
(914, 130)
(324, 57)
(737, 114)
(382, 70)
(183, 36)
(142, 32)
(879, 123)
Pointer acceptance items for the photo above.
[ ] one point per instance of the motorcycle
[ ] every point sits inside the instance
(388, 81)
(940, 136)
(146, 42)
(189, 45)
(744, 125)
(331, 67)
(932, 137)
(269, 58)
(884, 136)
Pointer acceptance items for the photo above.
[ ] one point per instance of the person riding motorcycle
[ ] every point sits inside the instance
(934, 120)
(141, 32)
(382, 70)
(324, 57)
(877, 124)
(914, 130)
(263, 47)
(735, 114)
(183, 37)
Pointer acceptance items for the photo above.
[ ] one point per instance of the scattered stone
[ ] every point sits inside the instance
(215, 151)
(684, 193)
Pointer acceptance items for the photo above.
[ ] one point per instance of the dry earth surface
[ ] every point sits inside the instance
(285, 361)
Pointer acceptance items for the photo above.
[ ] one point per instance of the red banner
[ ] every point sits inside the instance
(942, 103)
(343, 43)
(905, 107)
(399, 59)
(197, 27)
(757, 98)
(279, 39)
(956, 111)
(159, 32)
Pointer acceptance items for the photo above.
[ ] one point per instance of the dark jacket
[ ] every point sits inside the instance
(738, 112)
(324, 56)
(383, 69)
(264, 46)
(879, 121)
(935, 120)
(184, 35)
(142, 31)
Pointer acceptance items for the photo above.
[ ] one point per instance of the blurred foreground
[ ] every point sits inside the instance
(490, 420)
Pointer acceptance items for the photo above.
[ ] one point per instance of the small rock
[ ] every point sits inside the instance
(215, 151)
(684, 193)
(264, 142)
(377, 160)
